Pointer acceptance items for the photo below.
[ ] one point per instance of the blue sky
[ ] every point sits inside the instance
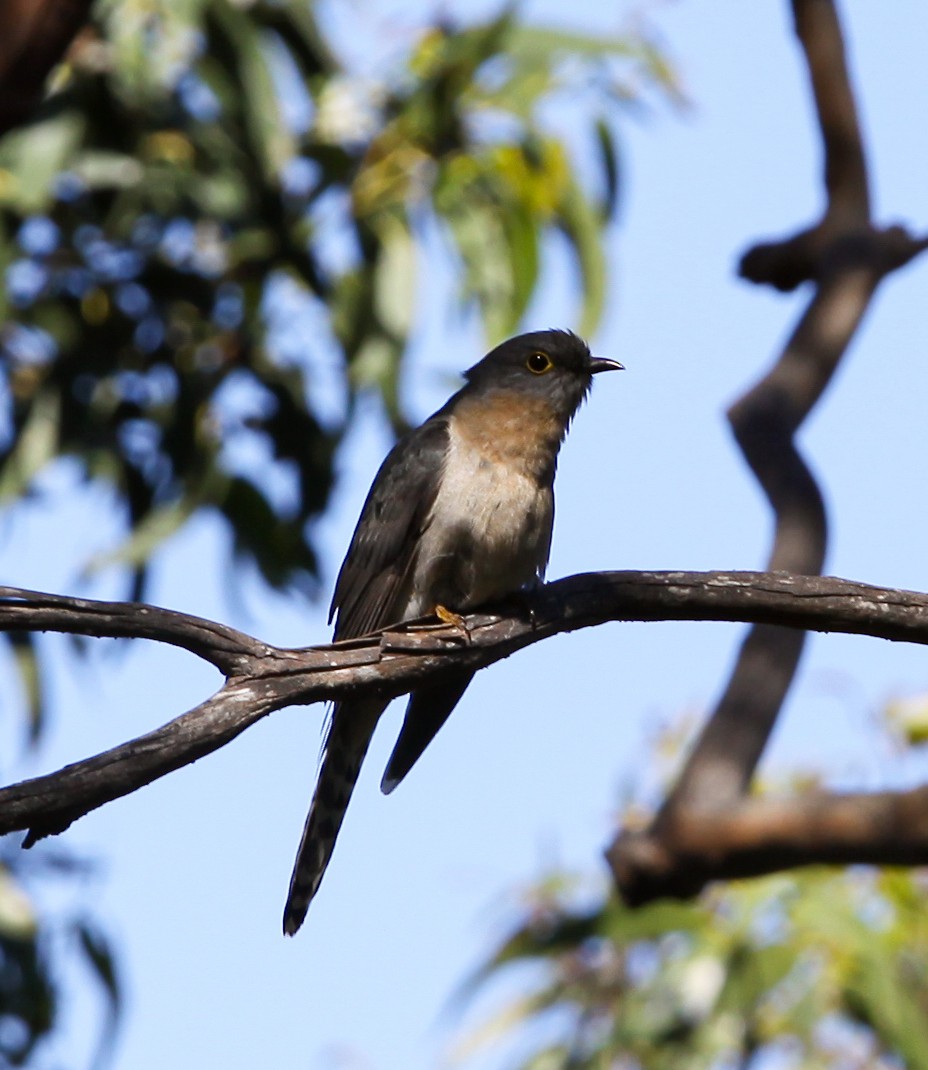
(537, 761)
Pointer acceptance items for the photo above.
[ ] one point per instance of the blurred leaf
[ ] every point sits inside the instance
(17, 915)
(481, 242)
(610, 165)
(521, 234)
(32, 157)
(268, 131)
(909, 718)
(28, 994)
(278, 548)
(375, 365)
(36, 446)
(108, 170)
(622, 923)
(544, 43)
(395, 278)
(294, 22)
(880, 999)
(156, 526)
(754, 971)
(100, 958)
(26, 656)
(580, 223)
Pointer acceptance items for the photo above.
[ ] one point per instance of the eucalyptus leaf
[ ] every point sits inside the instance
(582, 225)
(36, 446)
(395, 278)
(31, 159)
(26, 656)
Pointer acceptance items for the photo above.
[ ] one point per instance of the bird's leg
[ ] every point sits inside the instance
(448, 616)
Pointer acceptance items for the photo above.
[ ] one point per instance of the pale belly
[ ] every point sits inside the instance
(489, 535)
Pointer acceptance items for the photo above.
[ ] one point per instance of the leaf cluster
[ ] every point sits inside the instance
(35, 993)
(210, 235)
(211, 241)
(819, 970)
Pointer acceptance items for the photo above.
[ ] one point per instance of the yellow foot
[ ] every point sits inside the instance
(448, 616)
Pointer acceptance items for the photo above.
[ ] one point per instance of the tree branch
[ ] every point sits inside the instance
(262, 678)
(768, 835)
(848, 261)
(846, 257)
(847, 186)
(765, 422)
(224, 647)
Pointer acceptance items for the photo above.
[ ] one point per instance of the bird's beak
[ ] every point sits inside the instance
(604, 364)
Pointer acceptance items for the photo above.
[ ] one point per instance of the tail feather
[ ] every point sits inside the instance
(429, 707)
(349, 737)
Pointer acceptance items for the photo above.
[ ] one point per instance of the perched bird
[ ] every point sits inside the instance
(459, 514)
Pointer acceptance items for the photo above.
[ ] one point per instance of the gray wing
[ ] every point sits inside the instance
(384, 544)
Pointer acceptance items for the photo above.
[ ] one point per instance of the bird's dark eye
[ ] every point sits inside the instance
(539, 363)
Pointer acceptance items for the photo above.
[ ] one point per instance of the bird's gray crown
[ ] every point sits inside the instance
(555, 365)
(566, 350)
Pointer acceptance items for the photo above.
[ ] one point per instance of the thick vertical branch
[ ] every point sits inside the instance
(846, 258)
(846, 182)
(766, 419)
(765, 422)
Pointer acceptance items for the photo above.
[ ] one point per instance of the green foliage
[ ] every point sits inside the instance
(209, 214)
(819, 970)
(211, 209)
(33, 992)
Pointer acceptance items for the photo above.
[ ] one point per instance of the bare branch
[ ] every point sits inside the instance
(699, 833)
(263, 678)
(765, 420)
(819, 249)
(767, 835)
(847, 259)
(48, 805)
(846, 184)
(218, 644)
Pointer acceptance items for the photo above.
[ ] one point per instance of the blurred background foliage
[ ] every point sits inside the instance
(818, 969)
(210, 229)
(51, 962)
(210, 214)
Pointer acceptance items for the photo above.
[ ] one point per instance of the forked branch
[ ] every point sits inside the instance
(261, 678)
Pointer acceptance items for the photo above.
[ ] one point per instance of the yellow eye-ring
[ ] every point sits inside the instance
(539, 363)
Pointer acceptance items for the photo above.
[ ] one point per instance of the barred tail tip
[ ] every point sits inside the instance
(304, 884)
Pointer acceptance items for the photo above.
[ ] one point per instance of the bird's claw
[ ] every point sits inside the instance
(448, 616)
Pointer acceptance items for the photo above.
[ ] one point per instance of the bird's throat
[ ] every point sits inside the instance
(508, 428)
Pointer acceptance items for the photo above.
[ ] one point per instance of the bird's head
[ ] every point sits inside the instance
(556, 366)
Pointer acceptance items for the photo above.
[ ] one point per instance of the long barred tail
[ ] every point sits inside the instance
(348, 739)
